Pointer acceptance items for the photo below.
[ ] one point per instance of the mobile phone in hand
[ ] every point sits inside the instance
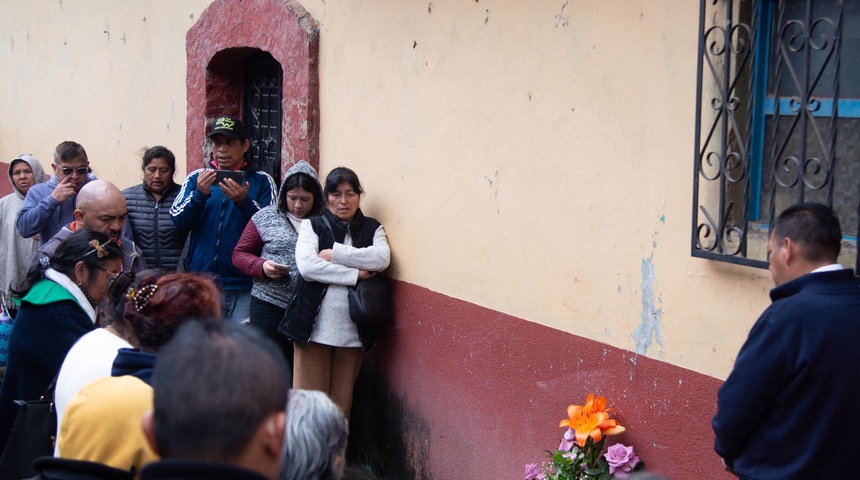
(238, 176)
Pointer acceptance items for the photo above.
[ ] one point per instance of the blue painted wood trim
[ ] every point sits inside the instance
(759, 94)
(847, 107)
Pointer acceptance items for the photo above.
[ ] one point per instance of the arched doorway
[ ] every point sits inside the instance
(225, 49)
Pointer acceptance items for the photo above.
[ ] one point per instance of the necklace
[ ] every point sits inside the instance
(89, 298)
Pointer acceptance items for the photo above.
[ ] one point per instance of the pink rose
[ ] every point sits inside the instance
(532, 471)
(568, 441)
(621, 460)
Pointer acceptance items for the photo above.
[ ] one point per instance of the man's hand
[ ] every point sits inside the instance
(325, 254)
(205, 181)
(64, 190)
(234, 191)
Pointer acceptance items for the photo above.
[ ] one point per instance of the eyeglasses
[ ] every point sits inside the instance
(111, 276)
(79, 170)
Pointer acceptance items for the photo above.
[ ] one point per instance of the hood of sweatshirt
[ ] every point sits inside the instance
(38, 171)
(301, 167)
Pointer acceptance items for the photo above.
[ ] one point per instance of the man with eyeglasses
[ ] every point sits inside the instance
(100, 207)
(50, 206)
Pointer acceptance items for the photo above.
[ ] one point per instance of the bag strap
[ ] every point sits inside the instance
(49, 393)
(327, 224)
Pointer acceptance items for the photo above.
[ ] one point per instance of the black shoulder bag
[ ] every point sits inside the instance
(32, 436)
(369, 299)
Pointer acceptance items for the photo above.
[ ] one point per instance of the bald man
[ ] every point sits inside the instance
(101, 207)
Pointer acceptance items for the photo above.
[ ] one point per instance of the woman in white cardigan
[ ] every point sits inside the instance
(333, 252)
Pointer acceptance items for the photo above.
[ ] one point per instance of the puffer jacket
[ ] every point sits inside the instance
(151, 226)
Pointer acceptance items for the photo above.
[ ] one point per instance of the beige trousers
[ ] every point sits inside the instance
(332, 370)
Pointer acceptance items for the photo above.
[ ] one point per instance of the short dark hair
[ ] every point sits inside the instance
(342, 175)
(215, 382)
(69, 151)
(814, 227)
(75, 248)
(160, 306)
(305, 182)
(159, 152)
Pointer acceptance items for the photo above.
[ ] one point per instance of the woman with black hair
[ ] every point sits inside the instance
(92, 356)
(149, 223)
(102, 423)
(58, 301)
(267, 250)
(334, 252)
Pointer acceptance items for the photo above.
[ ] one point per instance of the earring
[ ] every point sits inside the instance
(79, 282)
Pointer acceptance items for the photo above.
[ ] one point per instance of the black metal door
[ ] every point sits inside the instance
(263, 112)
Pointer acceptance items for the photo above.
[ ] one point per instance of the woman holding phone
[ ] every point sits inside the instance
(267, 249)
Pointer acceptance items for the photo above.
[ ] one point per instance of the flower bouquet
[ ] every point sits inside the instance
(579, 455)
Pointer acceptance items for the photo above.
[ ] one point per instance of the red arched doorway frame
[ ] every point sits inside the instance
(217, 45)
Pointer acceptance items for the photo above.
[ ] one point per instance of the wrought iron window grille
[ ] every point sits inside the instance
(778, 121)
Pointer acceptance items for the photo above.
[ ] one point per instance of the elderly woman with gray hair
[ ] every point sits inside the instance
(315, 439)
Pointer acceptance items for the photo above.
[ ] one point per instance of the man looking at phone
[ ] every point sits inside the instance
(49, 206)
(215, 212)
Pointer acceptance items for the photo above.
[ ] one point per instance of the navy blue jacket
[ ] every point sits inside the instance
(789, 409)
(215, 224)
(42, 335)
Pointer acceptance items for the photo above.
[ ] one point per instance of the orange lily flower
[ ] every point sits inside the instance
(591, 420)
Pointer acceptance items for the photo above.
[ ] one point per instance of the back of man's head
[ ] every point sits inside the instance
(216, 384)
(814, 228)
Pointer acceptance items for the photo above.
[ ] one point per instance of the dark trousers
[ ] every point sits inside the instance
(267, 317)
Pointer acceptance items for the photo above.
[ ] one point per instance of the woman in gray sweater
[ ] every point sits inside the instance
(267, 249)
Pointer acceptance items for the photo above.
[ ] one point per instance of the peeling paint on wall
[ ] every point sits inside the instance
(562, 18)
(650, 326)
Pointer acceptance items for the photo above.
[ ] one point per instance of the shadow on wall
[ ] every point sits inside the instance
(380, 426)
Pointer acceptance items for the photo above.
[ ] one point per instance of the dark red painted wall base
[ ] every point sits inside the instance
(458, 391)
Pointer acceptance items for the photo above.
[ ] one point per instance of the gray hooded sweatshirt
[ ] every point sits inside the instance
(15, 250)
(271, 236)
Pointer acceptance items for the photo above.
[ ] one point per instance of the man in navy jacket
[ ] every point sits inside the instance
(215, 214)
(789, 409)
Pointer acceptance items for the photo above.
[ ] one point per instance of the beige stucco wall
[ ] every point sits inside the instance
(107, 74)
(532, 157)
(536, 158)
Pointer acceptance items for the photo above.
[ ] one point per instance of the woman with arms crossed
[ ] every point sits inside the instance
(333, 252)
